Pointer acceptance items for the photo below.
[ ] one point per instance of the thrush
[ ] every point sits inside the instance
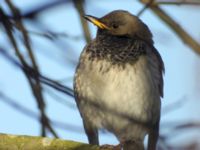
(118, 82)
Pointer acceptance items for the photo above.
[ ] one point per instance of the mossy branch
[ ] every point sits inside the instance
(22, 142)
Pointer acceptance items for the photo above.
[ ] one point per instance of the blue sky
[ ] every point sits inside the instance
(181, 65)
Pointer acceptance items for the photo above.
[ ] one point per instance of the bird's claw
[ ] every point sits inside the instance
(110, 147)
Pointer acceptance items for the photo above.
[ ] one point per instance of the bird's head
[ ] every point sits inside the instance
(121, 23)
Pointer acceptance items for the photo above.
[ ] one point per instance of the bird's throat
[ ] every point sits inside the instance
(118, 50)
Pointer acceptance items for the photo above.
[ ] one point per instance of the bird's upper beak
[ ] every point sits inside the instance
(96, 22)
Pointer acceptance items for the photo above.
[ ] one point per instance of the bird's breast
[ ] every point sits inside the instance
(128, 89)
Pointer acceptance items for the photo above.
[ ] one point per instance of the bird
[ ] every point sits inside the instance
(118, 82)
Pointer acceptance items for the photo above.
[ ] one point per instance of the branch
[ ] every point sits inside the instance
(45, 80)
(80, 9)
(33, 12)
(180, 2)
(145, 7)
(31, 114)
(55, 35)
(14, 142)
(181, 33)
(34, 84)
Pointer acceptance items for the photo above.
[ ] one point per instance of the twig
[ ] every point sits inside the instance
(145, 7)
(183, 2)
(79, 7)
(32, 13)
(34, 84)
(174, 106)
(188, 125)
(45, 80)
(31, 114)
(54, 35)
(60, 99)
(181, 33)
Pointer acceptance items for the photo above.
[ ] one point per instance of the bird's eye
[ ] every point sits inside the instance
(115, 26)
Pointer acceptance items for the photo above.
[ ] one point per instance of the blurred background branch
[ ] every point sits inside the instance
(183, 35)
(177, 2)
(80, 9)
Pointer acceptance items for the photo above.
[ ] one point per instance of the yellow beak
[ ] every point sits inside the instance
(96, 22)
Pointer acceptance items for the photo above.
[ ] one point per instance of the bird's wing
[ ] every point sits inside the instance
(77, 72)
(157, 68)
(91, 131)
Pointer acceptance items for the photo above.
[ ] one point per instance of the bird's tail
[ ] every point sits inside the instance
(153, 137)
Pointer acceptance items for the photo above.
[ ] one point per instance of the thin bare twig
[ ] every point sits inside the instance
(174, 106)
(180, 2)
(145, 7)
(181, 33)
(54, 35)
(34, 84)
(59, 99)
(45, 80)
(31, 114)
(80, 9)
(32, 13)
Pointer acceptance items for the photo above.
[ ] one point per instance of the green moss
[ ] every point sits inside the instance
(11, 142)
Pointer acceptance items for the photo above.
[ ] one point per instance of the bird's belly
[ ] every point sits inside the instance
(122, 97)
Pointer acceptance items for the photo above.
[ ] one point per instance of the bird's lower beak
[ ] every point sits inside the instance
(96, 22)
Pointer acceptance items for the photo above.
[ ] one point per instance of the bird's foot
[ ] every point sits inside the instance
(111, 147)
